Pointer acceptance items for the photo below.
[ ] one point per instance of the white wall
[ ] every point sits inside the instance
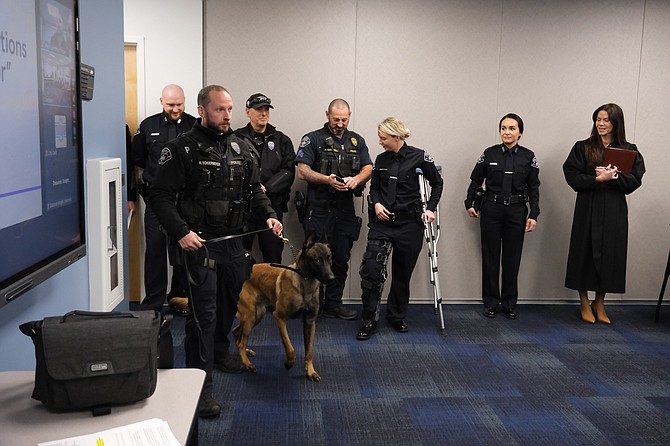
(450, 69)
(169, 34)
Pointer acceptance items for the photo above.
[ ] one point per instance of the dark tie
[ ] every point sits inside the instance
(509, 174)
(393, 182)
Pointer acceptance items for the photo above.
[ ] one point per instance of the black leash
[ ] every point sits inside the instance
(295, 270)
(208, 264)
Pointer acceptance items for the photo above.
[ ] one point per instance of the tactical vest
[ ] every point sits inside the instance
(217, 197)
(335, 159)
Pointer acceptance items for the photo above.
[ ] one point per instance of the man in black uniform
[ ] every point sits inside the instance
(395, 225)
(206, 186)
(512, 180)
(149, 140)
(336, 164)
(276, 155)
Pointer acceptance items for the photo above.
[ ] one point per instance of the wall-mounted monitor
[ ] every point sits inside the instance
(41, 173)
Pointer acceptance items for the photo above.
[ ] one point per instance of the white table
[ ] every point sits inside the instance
(25, 421)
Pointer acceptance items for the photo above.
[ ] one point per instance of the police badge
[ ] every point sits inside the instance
(271, 145)
(354, 141)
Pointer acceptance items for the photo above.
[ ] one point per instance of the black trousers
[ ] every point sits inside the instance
(502, 228)
(214, 304)
(340, 228)
(406, 239)
(270, 245)
(156, 265)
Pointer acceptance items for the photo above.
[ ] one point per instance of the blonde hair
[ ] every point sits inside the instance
(394, 127)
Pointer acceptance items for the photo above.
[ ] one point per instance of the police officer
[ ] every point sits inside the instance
(336, 163)
(512, 179)
(396, 224)
(149, 140)
(276, 155)
(206, 186)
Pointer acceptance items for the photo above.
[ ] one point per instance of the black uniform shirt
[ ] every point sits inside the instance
(177, 173)
(491, 167)
(407, 188)
(151, 136)
(276, 153)
(310, 152)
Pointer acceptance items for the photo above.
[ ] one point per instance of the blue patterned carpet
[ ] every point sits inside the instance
(546, 378)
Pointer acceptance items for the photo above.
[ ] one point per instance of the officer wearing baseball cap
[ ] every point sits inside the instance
(275, 158)
(258, 100)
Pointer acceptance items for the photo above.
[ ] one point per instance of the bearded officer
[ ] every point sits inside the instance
(206, 186)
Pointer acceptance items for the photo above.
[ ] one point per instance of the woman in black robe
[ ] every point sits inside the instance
(599, 238)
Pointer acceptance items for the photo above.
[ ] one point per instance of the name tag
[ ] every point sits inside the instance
(155, 134)
(493, 164)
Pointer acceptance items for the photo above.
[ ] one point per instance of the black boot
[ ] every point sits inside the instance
(367, 330)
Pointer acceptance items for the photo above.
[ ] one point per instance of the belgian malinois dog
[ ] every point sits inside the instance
(289, 292)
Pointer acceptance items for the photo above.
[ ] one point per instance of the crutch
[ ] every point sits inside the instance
(431, 233)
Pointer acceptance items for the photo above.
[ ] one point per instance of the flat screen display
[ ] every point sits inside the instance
(41, 184)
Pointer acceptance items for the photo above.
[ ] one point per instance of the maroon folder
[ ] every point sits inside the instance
(623, 159)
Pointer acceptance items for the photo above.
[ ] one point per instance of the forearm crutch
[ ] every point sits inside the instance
(431, 233)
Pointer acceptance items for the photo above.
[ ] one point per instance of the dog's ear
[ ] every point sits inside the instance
(310, 240)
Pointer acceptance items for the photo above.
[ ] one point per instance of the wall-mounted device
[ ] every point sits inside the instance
(105, 232)
(86, 78)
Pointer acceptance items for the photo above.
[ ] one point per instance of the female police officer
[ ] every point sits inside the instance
(512, 179)
(395, 223)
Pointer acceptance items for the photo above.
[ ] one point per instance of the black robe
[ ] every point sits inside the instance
(599, 238)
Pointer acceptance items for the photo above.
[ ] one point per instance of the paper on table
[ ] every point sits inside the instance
(145, 433)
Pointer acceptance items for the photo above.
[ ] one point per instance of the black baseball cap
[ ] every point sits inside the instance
(258, 100)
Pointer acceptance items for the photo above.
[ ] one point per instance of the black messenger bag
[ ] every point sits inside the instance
(91, 360)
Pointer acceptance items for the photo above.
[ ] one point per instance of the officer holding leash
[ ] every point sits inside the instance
(396, 224)
(512, 179)
(206, 186)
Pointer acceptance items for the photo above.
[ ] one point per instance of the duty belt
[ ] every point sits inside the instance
(512, 199)
(401, 216)
(332, 204)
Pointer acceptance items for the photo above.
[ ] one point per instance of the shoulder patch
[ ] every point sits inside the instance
(427, 158)
(236, 147)
(305, 141)
(299, 154)
(481, 159)
(166, 156)
(534, 163)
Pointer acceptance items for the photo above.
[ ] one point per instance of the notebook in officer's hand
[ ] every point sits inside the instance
(623, 159)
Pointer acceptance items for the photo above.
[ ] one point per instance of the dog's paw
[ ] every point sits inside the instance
(289, 363)
(251, 368)
(314, 376)
(250, 352)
